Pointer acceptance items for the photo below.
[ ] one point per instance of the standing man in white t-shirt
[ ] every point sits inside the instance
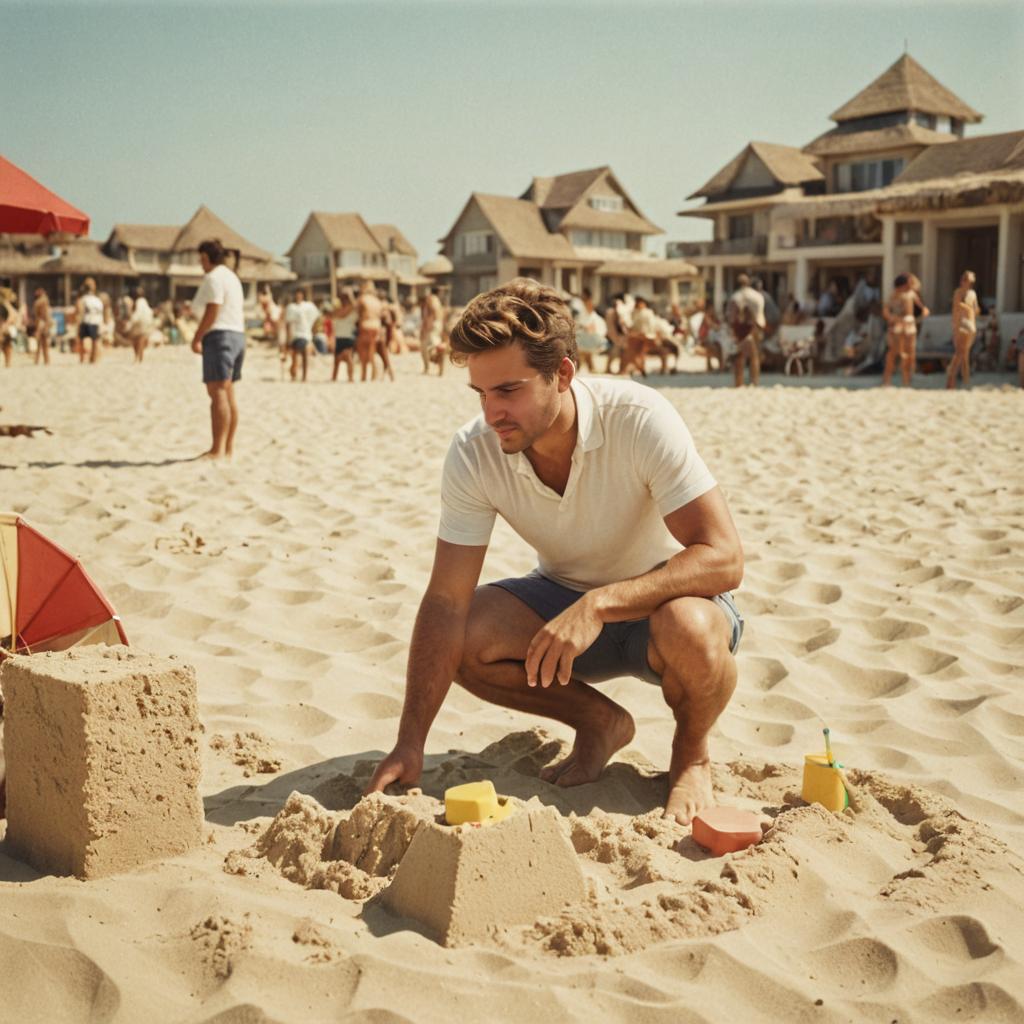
(299, 316)
(220, 338)
(90, 319)
(636, 550)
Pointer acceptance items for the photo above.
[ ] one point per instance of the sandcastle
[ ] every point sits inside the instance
(462, 882)
(103, 759)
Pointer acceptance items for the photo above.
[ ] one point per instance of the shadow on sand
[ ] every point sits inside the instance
(627, 786)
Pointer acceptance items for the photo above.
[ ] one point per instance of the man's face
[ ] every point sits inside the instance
(517, 402)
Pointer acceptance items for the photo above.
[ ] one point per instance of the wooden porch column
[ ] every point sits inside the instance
(1008, 263)
(888, 254)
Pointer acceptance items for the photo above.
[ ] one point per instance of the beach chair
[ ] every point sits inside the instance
(796, 341)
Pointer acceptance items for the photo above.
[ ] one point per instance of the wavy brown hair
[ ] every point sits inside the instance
(521, 312)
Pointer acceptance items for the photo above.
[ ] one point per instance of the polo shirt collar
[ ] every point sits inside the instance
(589, 432)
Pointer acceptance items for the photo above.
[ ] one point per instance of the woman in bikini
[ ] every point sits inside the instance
(899, 314)
(965, 329)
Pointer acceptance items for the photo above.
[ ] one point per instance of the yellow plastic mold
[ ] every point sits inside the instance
(475, 803)
(823, 784)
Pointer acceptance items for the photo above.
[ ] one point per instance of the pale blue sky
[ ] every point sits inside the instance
(265, 111)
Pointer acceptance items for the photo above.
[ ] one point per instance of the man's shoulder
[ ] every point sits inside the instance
(609, 394)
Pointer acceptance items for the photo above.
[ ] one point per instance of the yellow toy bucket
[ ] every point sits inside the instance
(823, 783)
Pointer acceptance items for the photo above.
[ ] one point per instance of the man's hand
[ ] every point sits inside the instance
(555, 647)
(404, 764)
(197, 346)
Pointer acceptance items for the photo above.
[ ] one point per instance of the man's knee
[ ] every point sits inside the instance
(691, 631)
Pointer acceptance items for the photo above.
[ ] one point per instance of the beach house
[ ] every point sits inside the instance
(165, 258)
(894, 186)
(336, 249)
(572, 231)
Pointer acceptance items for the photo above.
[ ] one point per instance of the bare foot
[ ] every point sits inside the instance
(593, 748)
(209, 455)
(690, 793)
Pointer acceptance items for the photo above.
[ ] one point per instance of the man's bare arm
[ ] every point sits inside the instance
(711, 564)
(435, 653)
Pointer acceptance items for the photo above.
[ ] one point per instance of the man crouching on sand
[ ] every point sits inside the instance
(636, 549)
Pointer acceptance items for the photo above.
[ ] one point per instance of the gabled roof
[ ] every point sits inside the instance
(206, 224)
(567, 194)
(786, 164)
(86, 257)
(983, 154)
(390, 239)
(906, 86)
(521, 228)
(563, 190)
(160, 237)
(837, 142)
(342, 231)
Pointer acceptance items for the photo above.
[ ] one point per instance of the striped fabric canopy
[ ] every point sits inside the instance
(47, 600)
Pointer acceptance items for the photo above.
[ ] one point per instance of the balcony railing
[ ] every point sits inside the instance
(754, 245)
(844, 233)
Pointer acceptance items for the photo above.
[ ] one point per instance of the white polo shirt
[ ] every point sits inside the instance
(634, 463)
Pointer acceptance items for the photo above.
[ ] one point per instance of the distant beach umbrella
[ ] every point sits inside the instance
(47, 600)
(29, 208)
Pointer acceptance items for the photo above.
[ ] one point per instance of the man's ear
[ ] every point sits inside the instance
(566, 373)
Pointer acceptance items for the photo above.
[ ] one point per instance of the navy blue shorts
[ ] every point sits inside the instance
(89, 331)
(621, 647)
(299, 344)
(343, 345)
(223, 354)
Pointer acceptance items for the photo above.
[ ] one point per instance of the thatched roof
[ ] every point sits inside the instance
(786, 164)
(343, 231)
(585, 217)
(206, 224)
(264, 271)
(962, 190)
(437, 267)
(661, 269)
(563, 190)
(983, 154)
(837, 141)
(906, 86)
(390, 239)
(159, 237)
(565, 199)
(18, 264)
(521, 228)
(362, 274)
(86, 257)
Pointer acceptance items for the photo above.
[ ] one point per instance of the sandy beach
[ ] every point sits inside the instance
(884, 542)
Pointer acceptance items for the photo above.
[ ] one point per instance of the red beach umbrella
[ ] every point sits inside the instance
(47, 600)
(28, 208)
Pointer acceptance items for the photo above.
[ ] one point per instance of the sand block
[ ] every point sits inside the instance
(103, 759)
(722, 830)
(464, 882)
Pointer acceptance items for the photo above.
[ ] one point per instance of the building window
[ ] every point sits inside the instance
(350, 258)
(909, 233)
(145, 257)
(741, 227)
(867, 174)
(600, 239)
(610, 204)
(487, 282)
(315, 262)
(476, 243)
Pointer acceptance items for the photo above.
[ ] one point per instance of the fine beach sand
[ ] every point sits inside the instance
(884, 539)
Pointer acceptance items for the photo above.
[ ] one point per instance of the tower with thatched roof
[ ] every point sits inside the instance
(891, 120)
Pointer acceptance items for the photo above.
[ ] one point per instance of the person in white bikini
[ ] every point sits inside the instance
(900, 315)
(965, 310)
